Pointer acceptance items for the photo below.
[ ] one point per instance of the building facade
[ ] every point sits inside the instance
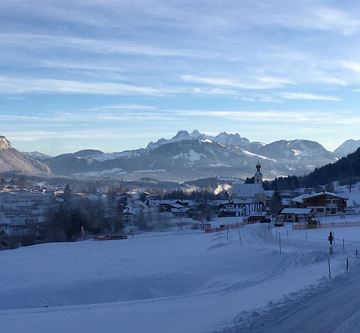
(323, 203)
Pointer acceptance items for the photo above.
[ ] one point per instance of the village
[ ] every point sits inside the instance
(24, 211)
(223, 263)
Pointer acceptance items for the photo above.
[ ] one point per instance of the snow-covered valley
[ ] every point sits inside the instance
(159, 282)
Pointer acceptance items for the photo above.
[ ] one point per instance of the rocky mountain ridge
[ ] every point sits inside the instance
(189, 156)
(11, 160)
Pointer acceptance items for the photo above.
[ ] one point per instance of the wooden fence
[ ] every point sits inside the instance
(209, 229)
(325, 225)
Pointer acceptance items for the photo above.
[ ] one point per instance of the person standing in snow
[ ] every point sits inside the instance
(331, 239)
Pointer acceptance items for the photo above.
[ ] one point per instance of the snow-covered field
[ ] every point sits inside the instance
(167, 282)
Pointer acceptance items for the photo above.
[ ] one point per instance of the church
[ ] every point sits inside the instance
(250, 190)
(248, 200)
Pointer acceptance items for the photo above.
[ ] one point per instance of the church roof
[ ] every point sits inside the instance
(247, 190)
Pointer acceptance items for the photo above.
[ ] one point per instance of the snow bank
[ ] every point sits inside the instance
(167, 282)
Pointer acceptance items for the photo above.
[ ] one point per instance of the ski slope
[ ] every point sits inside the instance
(168, 282)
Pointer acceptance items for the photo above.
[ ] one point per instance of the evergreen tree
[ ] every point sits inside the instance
(67, 193)
(275, 203)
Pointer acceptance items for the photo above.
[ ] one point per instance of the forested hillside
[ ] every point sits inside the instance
(345, 171)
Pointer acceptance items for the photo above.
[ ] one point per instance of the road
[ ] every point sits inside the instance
(332, 309)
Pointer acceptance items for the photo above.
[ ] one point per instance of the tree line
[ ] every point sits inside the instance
(345, 171)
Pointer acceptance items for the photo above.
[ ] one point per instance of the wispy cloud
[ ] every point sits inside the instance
(27, 136)
(309, 97)
(267, 117)
(332, 18)
(237, 94)
(331, 80)
(352, 65)
(79, 65)
(253, 84)
(97, 46)
(128, 107)
(9, 85)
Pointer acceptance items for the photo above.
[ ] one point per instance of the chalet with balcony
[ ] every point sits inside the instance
(322, 203)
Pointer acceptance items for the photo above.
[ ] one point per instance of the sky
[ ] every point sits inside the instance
(115, 75)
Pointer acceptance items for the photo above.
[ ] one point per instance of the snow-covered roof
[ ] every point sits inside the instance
(177, 206)
(242, 201)
(296, 211)
(180, 210)
(286, 201)
(167, 201)
(247, 190)
(301, 198)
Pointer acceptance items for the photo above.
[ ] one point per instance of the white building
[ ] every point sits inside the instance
(250, 191)
(248, 199)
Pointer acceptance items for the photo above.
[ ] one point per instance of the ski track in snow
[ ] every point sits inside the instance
(169, 282)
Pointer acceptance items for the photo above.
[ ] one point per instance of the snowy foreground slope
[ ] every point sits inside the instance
(169, 282)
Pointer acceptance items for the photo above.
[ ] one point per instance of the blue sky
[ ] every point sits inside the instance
(114, 75)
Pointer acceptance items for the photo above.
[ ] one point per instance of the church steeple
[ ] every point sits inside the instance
(258, 175)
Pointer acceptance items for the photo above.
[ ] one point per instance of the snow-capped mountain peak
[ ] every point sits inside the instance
(181, 135)
(4, 143)
(196, 134)
(231, 139)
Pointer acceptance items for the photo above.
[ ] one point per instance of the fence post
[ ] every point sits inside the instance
(329, 268)
(347, 264)
(240, 236)
(280, 243)
(343, 245)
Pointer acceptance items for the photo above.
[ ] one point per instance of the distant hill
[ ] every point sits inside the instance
(347, 169)
(348, 147)
(11, 160)
(35, 155)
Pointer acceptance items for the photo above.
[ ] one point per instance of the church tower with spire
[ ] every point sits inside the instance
(258, 175)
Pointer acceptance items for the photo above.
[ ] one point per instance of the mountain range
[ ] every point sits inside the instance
(183, 157)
